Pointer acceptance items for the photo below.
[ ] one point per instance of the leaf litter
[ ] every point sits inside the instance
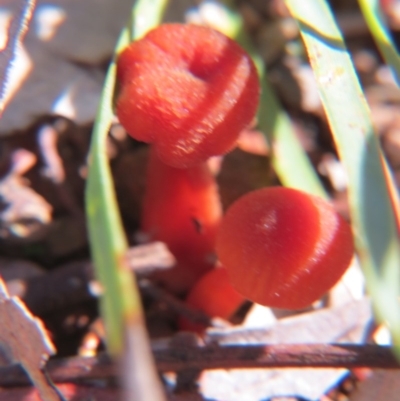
(24, 340)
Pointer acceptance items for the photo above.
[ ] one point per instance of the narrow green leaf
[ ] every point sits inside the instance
(373, 219)
(376, 23)
(107, 240)
(120, 303)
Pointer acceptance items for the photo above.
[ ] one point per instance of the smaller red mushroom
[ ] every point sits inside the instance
(284, 248)
(214, 295)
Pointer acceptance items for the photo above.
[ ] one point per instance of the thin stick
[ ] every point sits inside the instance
(213, 356)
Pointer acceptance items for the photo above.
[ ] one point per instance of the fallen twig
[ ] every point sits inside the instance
(171, 356)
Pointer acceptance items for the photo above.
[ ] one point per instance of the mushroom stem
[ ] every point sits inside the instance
(182, 208)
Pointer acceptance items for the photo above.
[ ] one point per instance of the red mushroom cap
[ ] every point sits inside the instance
(188, 90)
(284, 248)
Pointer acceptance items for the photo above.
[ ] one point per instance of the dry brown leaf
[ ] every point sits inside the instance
(24, 213)
(147, 258)
(25, 341)
(58, 68)
(15, 272)
(18, 269)
(345, 323)
(50, 85)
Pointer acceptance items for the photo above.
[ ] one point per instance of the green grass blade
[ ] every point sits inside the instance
(289, 160)
(373, 218)
(120, 303)
(108, 243)
(372, 13)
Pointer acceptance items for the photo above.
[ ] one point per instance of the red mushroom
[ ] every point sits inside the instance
(214, 295)
(284, 248)
(188, 90)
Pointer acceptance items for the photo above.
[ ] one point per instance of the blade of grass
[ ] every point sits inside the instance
(372, 13)
(120, 303)
(289, 160)
(373, 219)
(107, 238)
(376, 23)
(108, 243)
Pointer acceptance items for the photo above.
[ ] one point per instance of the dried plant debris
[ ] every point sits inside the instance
(70, 391)
(344, 324)
(25, 341)
(77, 392)
(24, 213)
(16, 272)
(149, 257)
(53, 73)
